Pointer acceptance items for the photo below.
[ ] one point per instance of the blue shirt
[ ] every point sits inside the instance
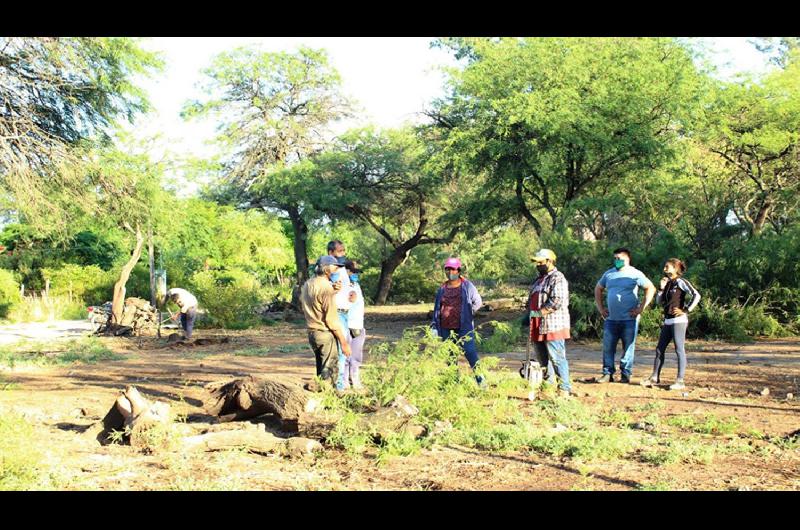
(622, 291)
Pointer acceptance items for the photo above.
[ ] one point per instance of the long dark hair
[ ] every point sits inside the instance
(680, 266)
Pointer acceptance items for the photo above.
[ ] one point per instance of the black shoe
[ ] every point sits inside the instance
(625, 379)
(606, 378)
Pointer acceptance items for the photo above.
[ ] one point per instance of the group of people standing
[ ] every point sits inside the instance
(334, 308)
(333, 305)
(549, 317)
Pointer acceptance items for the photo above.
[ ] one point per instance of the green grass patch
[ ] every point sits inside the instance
(252, 352)
(709, 424)
(21, 465)
(667, 451)
(88, 350)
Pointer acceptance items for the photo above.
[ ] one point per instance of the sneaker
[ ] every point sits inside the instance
(649, 382)
(564, 393)
(625, 379)
(606, 378)
(678, 385)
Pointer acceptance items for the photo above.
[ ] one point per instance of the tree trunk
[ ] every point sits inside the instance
(118, 302)
(761, 217)
(151, 262)
(300, 254)
(254, 440)
(388, 267)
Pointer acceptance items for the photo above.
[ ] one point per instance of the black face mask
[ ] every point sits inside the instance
(542, 269)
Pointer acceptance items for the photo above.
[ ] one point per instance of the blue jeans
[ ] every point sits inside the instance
(187, 321)
(613, 331)
(468, 344)
(342, 359)
(553, 354)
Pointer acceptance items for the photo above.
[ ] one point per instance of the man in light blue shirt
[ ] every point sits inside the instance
(621, 284)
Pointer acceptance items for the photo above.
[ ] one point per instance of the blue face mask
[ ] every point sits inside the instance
(335, 277)
(354, 278)
(619, 263)
(454, 276)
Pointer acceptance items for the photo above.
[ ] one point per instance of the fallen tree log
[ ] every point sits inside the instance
(248, 397)
(502, 303)
(134, 415)
(300, 411)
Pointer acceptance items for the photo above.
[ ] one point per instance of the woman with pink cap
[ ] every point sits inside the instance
(456, 302)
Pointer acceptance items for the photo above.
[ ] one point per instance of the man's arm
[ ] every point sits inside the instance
(649, 293)
(558, 295)
(598, 300)
(333, 323)
(337, 332)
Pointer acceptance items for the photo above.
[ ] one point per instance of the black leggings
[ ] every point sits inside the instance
(671, 332)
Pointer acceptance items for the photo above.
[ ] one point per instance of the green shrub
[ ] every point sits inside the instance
(89, 283)
(47, 308)
(20, 463)
(9, 292)
(505, 336)
(585, 320)
(86, 350)
(736, 323)
(231, 298)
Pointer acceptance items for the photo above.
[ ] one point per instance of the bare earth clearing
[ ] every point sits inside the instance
(724, 380)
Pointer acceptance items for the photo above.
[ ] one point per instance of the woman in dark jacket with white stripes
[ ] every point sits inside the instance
(672, 297)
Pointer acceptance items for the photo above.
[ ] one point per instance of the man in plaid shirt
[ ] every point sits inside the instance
(548, 303)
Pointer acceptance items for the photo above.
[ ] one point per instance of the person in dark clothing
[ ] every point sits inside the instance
(672, 297)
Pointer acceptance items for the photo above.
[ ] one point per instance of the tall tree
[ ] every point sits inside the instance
(778, 49)
(754, 127)
(547, 121)
(274, 110)
(56, 93)
(392, 182)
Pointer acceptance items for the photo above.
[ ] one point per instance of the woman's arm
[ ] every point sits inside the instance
(687, 286)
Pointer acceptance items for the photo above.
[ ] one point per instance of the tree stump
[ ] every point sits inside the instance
(134, 415)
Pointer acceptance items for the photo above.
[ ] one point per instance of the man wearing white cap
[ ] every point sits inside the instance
(548, 303)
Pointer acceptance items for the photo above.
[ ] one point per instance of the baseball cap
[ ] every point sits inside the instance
(327, 260)
(452, 263)
(544, 254)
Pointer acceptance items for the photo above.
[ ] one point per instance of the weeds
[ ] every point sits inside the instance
(505, 337)
(87, 350)
(252, 352)
(710, 424)
(20, 462)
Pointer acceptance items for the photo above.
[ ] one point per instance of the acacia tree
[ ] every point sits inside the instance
(55, 94)
(274, 111)
(392, 182)
(546, 121)
(754, 127)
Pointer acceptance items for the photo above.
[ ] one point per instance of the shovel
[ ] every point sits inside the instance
(531, 370)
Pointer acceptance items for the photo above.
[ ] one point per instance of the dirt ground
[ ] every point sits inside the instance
(724, 379)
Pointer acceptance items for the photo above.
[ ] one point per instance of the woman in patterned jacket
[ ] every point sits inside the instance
(548, 303)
